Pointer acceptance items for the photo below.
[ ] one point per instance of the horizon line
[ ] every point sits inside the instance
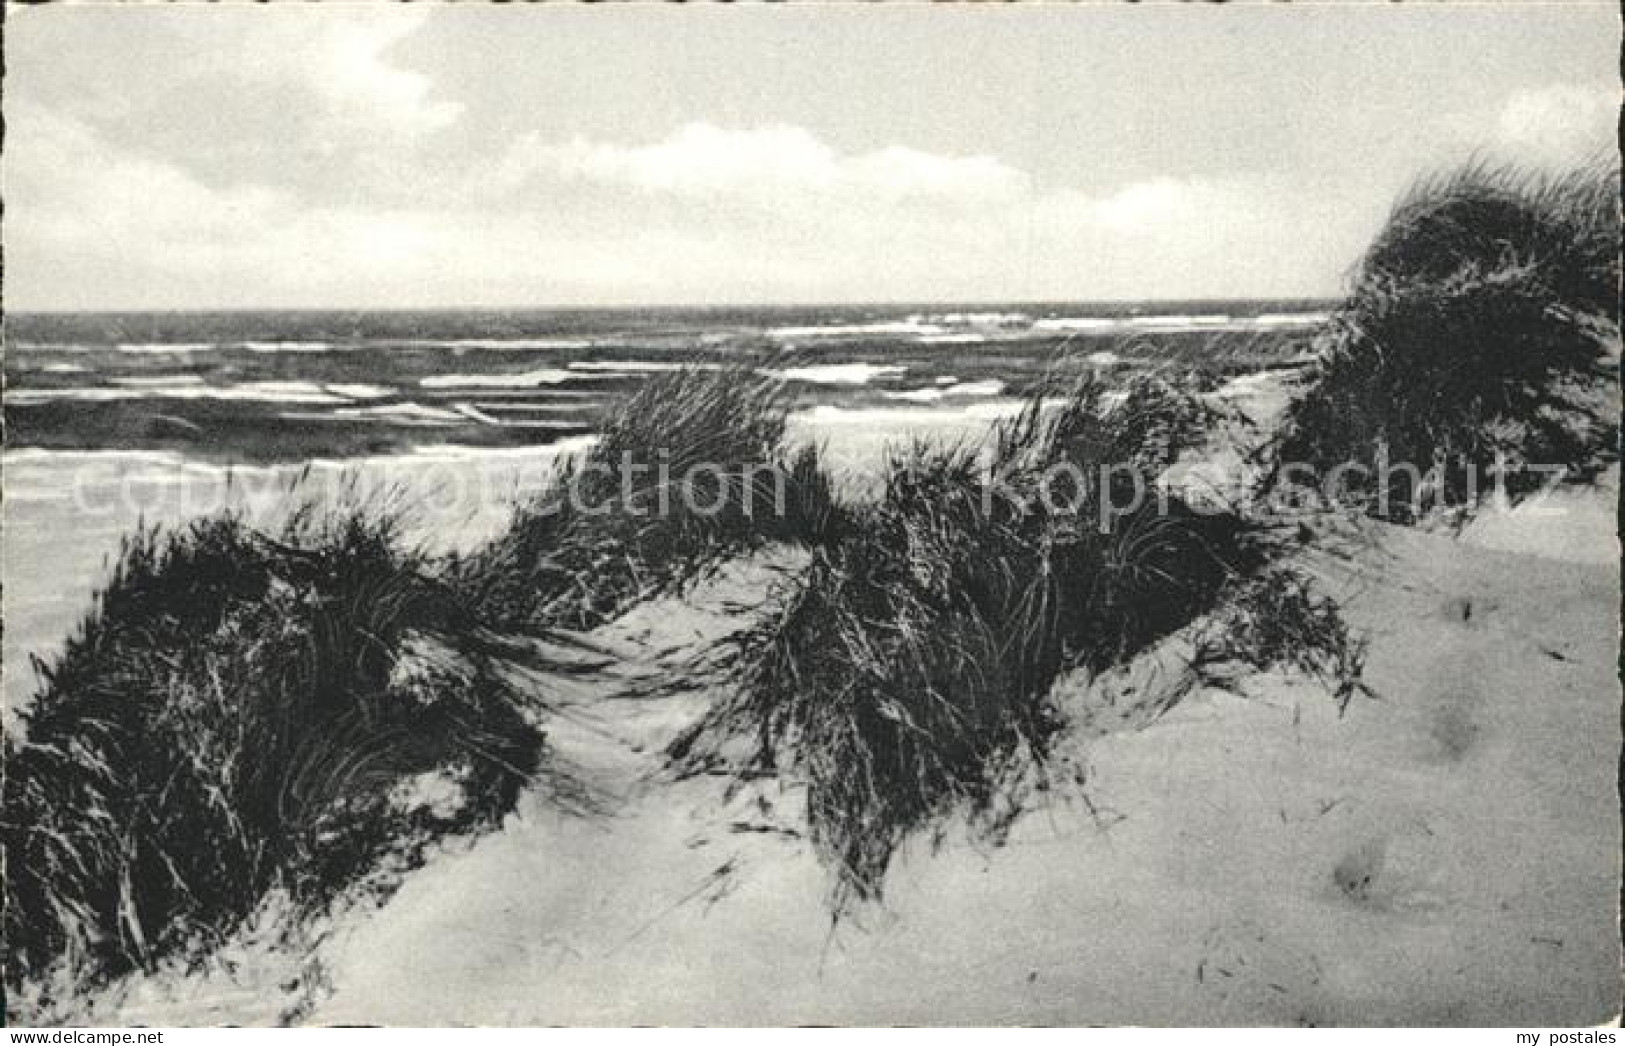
(664, 306)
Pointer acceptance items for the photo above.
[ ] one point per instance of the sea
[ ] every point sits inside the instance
(118, 421)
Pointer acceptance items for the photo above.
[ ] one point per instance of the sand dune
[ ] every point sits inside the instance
(1447, 852)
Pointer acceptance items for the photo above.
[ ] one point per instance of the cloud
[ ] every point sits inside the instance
(334, 67)
(346, 63)
(770, 162)
(704, 214)
(89, 225)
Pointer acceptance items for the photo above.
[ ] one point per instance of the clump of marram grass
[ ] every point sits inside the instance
(689, 470)
(241, 713)
(1472, 351)
(1276, 620)
(909, 673)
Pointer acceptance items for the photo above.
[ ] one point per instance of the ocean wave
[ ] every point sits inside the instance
(527, 380)
(158, 381)
(474, 413)
(401, 413)
(18, 456)
(250, 392)
(846, 330)
(149, 348)
(963, 338)
(638, 366)
(941, 392)
(1177, 322)
(974, 319)
(513, 344)
(572, 405)
(839, 373)
(357, 391)
(192, 386)
(983, 411)
(65, 368)
(1291, 319)
(286, 346)
(456, 453)
(1075, 323)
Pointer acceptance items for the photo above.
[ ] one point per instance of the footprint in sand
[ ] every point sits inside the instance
(1449, 728)
(1393, 872)
(1453, 730)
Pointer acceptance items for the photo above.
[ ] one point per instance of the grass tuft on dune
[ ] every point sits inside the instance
(909, 674)
(686, 472)
(1480, 329)
(242, 712)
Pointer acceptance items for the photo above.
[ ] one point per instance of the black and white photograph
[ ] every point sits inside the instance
(1036, 514)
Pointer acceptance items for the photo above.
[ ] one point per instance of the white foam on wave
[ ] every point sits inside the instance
(473, 412)
(30, 397)
(846, 330)
(638, 366)
(169, 465)
(401, 413)
(359, 391)
(43, 474)
(286, 346)
(249, 392)
(1075, 323)
(526, 380)
(941, 392)
(554, 392)
(1103, 359)
(192, 386)
(839, 373)
(158, 381)
(16, 456)
(975, 319)
(1291, 319)
(65, 368)
(1176, 322)
(965, 338)
(456, 453)
(574, 406)
(149, 348)
(513, 344)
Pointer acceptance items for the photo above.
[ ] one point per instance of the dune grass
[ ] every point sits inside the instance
(243, 711)
(1478, 331)
(909, 674)
(687, 471)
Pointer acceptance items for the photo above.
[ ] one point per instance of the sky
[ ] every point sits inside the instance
(190, 156)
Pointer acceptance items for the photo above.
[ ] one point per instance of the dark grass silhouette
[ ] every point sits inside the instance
(910, 672)
(688, 471)
(1478, 330)
(243, 712)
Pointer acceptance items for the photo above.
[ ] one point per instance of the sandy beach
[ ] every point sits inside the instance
(553, 515)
